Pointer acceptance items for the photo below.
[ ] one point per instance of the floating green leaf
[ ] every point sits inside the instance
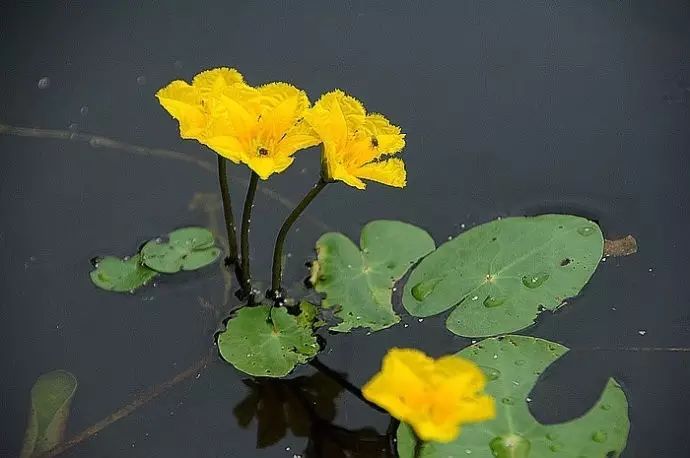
(360, 282)
(189, 248)
(51, 397)
(121, 275)
(513, 365)
(503, 273)
(263, 346)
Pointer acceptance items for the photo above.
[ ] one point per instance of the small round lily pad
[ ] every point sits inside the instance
(268, 346)
(189, 248)
(121, 275)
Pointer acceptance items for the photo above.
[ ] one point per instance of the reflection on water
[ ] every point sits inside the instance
(306, 406)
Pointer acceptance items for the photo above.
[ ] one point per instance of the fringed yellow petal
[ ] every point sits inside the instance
(301, 136)
(182, 101)
(434, 396)
(226, 146)
(390, 172)
(231, 117)
(386, 136)
(354, 141)
(217, 80)
(335, 116)
(267, 166)
(282, 106)
(339, 173)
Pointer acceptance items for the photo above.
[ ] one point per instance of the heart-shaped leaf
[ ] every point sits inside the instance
(189, 248)
(266, 346)
(121, 275)
(51, 397)
(503, 273)
(360, 282)
(513, 365)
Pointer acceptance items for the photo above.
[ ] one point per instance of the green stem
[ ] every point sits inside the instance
(246, 221)
(227, 209)
(276, 291)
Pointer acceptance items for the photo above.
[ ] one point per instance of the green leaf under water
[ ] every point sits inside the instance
(260, 346)
(513, 365)
(51, 397)
(121, 275)
(503, 273)
(360, 282)
(189, 248)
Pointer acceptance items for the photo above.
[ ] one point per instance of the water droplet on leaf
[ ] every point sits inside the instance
(511, 446)
(422, 289)
(535, 280)
(491, 373)
(493, 301)
(600, 436)
(586, 231)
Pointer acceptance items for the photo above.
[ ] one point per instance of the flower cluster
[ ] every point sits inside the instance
(264, 126)
(433, 396)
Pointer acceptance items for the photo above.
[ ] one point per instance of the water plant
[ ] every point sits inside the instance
(496, 277)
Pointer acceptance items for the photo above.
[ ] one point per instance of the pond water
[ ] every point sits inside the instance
(510, 108)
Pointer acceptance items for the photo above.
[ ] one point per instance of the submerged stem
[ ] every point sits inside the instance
(244, 244)
(227, 209)
(282, 235)
(149, 395)
(321, 367)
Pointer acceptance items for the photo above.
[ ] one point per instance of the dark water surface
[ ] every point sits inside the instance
(510, 108)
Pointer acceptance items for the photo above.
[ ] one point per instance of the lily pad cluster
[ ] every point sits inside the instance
(513, 365)
(497, 276)
(185, 249)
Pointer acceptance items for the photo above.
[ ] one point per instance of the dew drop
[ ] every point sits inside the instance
(586, 231)
(605, 407)
(600, 436)
(510, 446)
(421, 290)
(535, 280)
(493, 301)
(44, 83)
(141, 80)
(491, 373)
(84, 111)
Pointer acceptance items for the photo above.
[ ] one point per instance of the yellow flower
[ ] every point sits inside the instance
(259, 126)
(356, 145)
(190, 104)
(433, 396)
